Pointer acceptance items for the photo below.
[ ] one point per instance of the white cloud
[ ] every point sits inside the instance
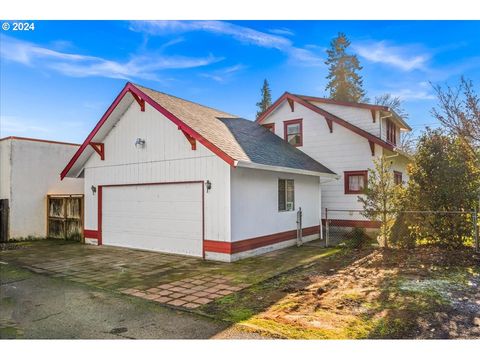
(76, 65)
(225, 74)
(406, 58)
(242, 34)
(413, 94)
(282, 31)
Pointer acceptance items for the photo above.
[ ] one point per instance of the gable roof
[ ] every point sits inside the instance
(328, 116)
(212, 128)
(387, 109)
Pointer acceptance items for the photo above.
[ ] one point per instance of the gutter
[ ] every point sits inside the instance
(251, 165)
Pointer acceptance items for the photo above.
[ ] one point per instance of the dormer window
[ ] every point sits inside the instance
(391, 132)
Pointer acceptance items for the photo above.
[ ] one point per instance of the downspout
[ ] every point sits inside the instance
(320, 206)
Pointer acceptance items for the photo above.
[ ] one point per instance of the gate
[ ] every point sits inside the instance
(4, 212)
(65, 217)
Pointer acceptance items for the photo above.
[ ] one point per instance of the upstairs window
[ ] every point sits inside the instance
(270, 127)
(294, 132)
(355, 181)
(286, 195)
(391, 132)
(398, 178)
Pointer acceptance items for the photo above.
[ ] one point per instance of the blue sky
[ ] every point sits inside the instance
(58, 80)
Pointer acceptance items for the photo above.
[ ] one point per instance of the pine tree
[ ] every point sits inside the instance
(345, 84)
(266, 100)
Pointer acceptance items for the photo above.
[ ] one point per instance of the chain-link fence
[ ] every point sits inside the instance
(402, 228)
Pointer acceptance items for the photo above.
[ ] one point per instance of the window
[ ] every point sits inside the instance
(397, 177)
(391, 132)
(286, 195)
(270, 127)
(355, 181)
(293, 132)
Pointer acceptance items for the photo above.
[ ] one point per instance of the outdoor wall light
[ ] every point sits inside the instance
(139, 143)
(94, 190)
(208, 185)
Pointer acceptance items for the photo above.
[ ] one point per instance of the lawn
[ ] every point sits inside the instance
(371, 293)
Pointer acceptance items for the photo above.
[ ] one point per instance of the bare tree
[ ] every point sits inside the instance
(459, 110)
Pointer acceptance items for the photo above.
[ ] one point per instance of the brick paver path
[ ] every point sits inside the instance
(165, 278)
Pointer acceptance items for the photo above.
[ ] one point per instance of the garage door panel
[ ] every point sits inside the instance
(165, 218)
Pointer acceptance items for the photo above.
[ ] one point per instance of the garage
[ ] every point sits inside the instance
(158, 217)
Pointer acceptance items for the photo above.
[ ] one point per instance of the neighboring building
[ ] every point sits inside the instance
(29, 173)
(346, 137)
(165, 174)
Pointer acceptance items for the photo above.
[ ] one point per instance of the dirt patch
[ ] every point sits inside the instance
(422, 293)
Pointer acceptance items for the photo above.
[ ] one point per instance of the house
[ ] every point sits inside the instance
(165, 174)
(346, 138)
(30, 185)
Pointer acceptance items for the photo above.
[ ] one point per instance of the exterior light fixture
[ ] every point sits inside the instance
(208, 185)
(139, 143)
(94, 190)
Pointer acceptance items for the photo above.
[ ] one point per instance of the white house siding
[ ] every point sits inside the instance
(359, 117)
(166, 157)
(340, 151)
(254, 209)
(5, 168)
(35, 172)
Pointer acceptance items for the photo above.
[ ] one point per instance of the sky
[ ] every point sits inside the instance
(57, 80)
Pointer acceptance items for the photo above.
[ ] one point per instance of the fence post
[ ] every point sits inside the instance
(327, 228)
(475, 229)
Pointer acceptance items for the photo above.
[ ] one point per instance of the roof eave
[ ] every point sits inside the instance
(252, 165)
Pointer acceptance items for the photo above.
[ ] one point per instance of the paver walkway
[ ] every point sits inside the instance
(165, 278)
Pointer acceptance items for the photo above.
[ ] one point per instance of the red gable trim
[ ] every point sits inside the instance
(329, 117)
(343, 103)
(38, 140)
(137, 92)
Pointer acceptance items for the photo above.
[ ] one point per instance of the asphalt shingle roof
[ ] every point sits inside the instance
(241, 139)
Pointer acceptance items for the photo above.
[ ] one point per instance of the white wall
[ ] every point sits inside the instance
(5, 168)
(35, 172)
(167, 157)
(359, 117)
(255, 203)
(340, 151)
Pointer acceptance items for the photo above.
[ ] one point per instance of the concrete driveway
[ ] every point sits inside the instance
(173, 280)
(40, 307)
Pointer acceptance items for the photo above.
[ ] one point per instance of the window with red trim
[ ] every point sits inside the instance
(398, 177)
(355, 181)
(391, 132)
(293, 130)
(270, 127)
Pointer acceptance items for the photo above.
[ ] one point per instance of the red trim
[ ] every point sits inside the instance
(398, 177)
(100, 209)
(140, 101)
(91, 234)
(99, 214)
(347, 174)
(99, 148)
(328, 116)
(38, 140)
(225, 247)
(367, 224)
(292, 122)
(191, 140)
(129, 87)
(270, 127)
(330, 124)
(343, 103)
(372, 147)
(292, 104)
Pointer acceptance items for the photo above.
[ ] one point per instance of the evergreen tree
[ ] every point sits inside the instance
(266, 100)
(345, 84)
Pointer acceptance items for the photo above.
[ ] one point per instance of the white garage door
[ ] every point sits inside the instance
(166, 218)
